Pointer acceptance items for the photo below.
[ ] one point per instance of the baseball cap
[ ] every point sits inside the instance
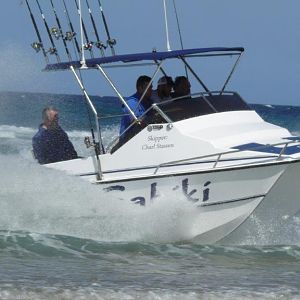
(165, 80)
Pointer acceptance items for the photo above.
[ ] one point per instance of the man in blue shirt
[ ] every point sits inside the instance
(133, 102)
(51, 143)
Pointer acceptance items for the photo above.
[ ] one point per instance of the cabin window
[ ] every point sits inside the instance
(195, 106)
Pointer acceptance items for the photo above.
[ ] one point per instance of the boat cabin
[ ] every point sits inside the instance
(183, 108)
(177, 109)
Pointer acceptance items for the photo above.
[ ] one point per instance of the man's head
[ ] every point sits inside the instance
(182, 86)
(50, 117)
(141, 85)
(165, 85)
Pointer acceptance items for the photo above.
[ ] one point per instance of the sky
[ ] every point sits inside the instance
(269, 30)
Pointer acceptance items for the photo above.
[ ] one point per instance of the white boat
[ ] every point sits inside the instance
(212, 148)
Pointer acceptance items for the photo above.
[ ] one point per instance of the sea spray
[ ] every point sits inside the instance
(63, 238)
(37, 199)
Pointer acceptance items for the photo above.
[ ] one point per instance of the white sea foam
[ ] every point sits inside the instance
(27, 132)
(296, 133)
(95, 292)
(8, 131)
(37, 199)
(270, 106)
(7, 135)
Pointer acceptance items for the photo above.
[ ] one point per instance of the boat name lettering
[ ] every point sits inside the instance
(190, 194)
(158, 143)
(157, 139)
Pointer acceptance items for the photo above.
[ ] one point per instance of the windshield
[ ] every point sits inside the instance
(197, 105)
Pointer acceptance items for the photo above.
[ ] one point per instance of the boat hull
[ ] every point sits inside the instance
(274, 216)
(222, 199)
(204, 188)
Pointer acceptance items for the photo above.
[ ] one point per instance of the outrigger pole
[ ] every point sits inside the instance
(60, 33)
(89, 44)
(72, 33)
(52, 50)
(37, 45)
(180, 35)
(111, 42)
(98, 43)
(178, 25)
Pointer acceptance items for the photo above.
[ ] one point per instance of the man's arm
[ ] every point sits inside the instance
(68, 149)
(38, 149)
(138, 109)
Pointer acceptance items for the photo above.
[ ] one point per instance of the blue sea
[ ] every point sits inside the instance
(62, 238)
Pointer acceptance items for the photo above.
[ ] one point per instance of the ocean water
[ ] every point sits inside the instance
(62, 238)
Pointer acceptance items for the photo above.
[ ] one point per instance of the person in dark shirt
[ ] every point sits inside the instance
(182, 87)
(51, 143)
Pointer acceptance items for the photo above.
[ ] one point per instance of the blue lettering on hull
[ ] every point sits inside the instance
(189, 194)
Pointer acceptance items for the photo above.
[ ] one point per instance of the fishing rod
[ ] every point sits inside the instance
(59, 32)
(98, 43)
(89, 44)
(70, 35)
(111, 42)
(37, 46)
(52, 50)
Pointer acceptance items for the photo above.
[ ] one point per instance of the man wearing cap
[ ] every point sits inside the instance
(164, 88)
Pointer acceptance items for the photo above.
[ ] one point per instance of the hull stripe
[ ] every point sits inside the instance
(232, 200)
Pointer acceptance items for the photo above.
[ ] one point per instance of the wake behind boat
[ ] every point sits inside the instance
(210, 146)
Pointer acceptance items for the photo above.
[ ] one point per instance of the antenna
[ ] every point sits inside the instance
(89, 44)
(81, 33)
(167, 27)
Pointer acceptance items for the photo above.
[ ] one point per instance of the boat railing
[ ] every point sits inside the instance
(220, 155)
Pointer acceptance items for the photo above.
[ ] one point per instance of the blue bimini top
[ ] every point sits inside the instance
(148, 56)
